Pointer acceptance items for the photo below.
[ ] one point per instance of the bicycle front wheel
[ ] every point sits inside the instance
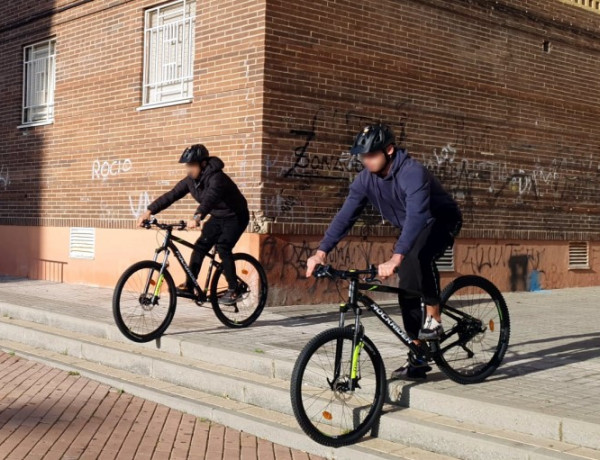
(477, 330)
(334, 404)
(252, 286)
(144, 301)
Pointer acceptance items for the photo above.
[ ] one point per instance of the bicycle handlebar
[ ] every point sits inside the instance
(181, 225)
(327, 271)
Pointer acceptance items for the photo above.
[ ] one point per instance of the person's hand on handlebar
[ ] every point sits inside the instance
(196, 223)
(319, 258)
(387, 269)
(145, 216)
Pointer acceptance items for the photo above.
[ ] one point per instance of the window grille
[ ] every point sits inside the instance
(39, 75)
(169, 53)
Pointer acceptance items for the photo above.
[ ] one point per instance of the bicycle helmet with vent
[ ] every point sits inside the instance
(372, 139)
(197, 153)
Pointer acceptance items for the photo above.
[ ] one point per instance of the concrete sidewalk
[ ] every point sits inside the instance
(52, 414)
(551, 370)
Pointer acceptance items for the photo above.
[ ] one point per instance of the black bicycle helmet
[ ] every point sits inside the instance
(197, 153)
(373, 138)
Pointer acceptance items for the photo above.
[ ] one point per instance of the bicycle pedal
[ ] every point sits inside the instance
(418, 361)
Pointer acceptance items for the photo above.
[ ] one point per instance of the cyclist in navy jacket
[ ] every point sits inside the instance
(409, 197)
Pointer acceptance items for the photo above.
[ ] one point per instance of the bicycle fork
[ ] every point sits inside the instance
(357, 344)
(161, 276)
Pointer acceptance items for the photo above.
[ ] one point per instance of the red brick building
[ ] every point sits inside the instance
(498, 98)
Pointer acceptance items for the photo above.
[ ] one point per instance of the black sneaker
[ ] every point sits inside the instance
(411, 372)
(230, 297)
(431, 330)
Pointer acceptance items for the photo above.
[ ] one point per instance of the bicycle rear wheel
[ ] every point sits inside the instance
(476, 330)
(325, 407)
(144, 301)
(252, 283)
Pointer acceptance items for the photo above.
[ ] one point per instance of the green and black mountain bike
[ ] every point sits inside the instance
(145, 297)
(339, 385)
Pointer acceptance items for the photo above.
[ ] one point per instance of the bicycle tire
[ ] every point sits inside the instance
(116, 304)
(503, 336)
(226, 320)
(298, 373)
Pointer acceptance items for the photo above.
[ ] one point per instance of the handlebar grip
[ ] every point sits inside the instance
(321, 271)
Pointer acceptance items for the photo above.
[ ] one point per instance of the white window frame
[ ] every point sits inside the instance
(169, 54)
(39, 82)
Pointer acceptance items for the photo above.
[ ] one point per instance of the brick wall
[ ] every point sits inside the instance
(51, 169)
(468, 85)
(498, 98)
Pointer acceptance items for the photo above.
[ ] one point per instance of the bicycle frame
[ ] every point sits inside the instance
(355, 300)
(169, 246)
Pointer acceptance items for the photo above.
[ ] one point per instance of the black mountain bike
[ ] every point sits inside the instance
(338, 384)
(145, 297)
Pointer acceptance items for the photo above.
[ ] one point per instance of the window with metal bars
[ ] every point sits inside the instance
(39, 75)
(169, 53)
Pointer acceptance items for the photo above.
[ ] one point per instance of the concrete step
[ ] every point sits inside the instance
(248, 362)
(434, 432)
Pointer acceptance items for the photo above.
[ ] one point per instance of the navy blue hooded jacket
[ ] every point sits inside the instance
(409, 197)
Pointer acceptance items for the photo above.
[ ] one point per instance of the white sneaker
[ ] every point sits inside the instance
(431, 330)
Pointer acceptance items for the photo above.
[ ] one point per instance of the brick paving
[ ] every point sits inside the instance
(46, 413)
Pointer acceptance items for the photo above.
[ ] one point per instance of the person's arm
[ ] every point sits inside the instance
(164, 201)
(415, 181)
(215, 189)
(340, 226)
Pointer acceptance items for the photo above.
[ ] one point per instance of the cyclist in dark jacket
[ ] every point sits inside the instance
(220, 198)
(411, 198)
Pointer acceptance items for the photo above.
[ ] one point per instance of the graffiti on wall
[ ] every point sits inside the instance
(311, 165)
(287, 259)
(106, 169)
(556, 179)
(479, 166)
(137, 209)
(527, 268)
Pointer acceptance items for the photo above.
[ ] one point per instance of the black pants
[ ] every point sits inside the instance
(418, 273)
(224, 232)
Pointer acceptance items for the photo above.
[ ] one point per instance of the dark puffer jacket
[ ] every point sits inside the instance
(214, 190)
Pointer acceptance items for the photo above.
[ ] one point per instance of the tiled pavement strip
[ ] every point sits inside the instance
(52, 414)
(552, 366)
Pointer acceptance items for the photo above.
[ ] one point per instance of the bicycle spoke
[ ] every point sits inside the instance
(250, 292)
(339, 411)
(138, 312)
(468, 305)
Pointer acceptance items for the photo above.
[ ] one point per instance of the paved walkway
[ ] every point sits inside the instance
(552, 366)
(47, 413)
